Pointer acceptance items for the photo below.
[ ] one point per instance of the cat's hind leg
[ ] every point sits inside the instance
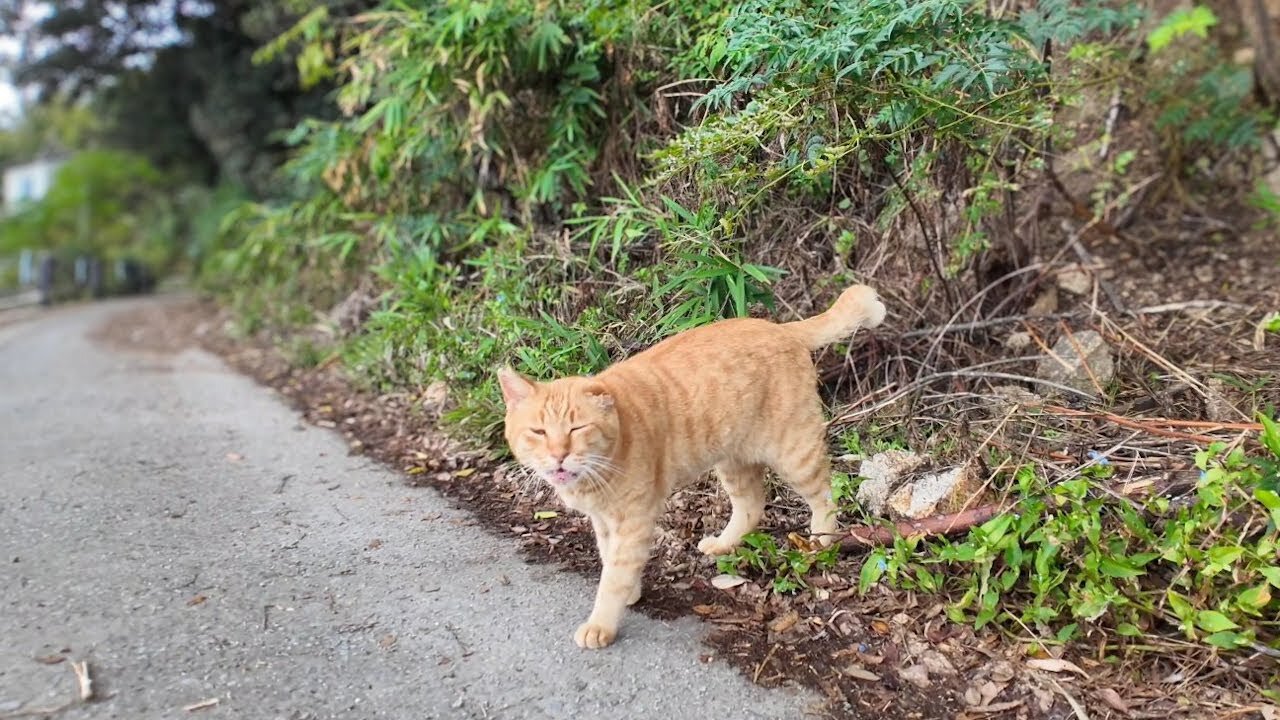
(745, 485)
(806, 467)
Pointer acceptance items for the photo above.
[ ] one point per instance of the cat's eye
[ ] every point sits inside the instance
(573, 430)
(537, 431)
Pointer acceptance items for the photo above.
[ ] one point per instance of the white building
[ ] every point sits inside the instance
(28, 182)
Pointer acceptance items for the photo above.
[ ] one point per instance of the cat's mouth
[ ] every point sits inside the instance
(562, 476)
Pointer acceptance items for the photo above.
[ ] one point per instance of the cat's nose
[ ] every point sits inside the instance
(559, 455)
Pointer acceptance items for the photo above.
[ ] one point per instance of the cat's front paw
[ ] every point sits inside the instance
(634, 597)
(591, 636)
(715, 547)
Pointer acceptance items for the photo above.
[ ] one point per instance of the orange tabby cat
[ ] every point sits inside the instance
(737, 396)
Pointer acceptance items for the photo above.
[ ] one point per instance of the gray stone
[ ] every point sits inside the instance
(1076, 280)
(1077, 360)
(1046, 303)
(1020, 340)
(1217, 405)
(1009, 397)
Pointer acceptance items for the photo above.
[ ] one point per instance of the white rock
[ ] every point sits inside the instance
(1020, 340)
(882, 472)
(1046, 303)
(1076, 280)
(923, 497)
(1010, 397)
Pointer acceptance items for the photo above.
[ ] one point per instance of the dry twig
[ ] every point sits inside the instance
(84, 693)
(862, 537)
(84, 683)
(201, 705)
(1148, 426)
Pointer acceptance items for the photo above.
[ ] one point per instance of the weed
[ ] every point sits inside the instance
(785, 568)
(1270, 323)
(1072, 554)
(875, 441)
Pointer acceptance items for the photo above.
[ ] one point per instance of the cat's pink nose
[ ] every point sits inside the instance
(559, 455)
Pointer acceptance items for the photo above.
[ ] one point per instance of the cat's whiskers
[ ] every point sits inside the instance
(601, 462)
(527, 482)
(597, 482)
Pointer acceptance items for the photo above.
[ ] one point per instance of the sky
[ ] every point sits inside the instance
(9, 46)
(8, 94)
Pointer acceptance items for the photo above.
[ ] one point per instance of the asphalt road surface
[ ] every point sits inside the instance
(173, 524)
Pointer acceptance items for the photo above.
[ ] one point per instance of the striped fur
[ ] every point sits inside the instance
(738, 396)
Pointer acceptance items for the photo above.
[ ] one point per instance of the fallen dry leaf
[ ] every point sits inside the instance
(785, 623)
(989, 690)
(1002, 671)
(802, 543)
(464, 472)
(879, 627)
(867, 658)
(386, 641)
(861, 674)
(937, 663)
(196, 600)
(1113, 699)
(1133, 488)
(50, 659)
(1056, 665)
(996, 708)
(201, 705)
(374, 544)
(1045, 698)
(545, 514)
(972, 696)
(724, 582)
(704, 609)
(917, 675)
(891, 652)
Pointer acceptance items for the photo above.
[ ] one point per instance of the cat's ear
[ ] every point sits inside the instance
(598, 394)
(515, 387)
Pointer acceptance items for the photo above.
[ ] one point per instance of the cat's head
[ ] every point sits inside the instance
(564, 430)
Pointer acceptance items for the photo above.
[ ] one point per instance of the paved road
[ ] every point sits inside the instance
(146, 525)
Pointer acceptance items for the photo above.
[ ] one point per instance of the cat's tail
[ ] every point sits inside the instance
(856, 308)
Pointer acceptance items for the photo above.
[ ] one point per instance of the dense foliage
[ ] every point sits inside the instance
(491, 157)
